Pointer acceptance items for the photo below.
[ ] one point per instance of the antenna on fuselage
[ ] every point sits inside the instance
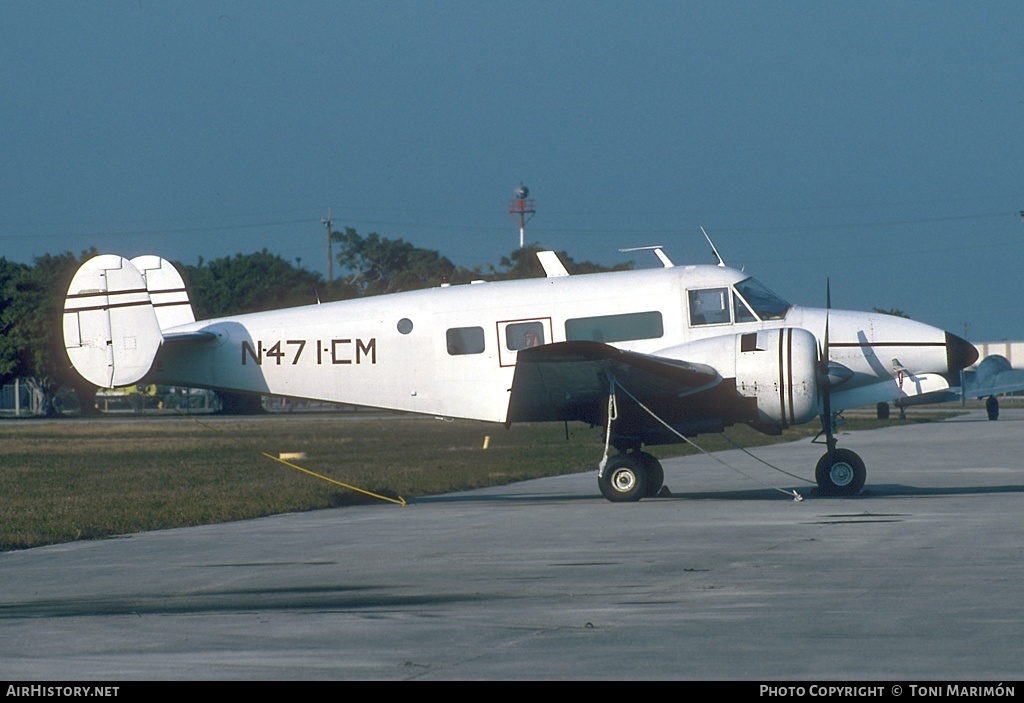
(552, 265)
(657, 249)
(717, 255)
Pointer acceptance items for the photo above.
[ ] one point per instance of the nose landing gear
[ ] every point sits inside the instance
(840, 472)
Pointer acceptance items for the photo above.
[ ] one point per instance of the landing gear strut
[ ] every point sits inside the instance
(992, 407)
(628, 477)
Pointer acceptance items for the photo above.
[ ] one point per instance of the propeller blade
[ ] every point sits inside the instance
(826, 399)
(826, 386)
(828, 306)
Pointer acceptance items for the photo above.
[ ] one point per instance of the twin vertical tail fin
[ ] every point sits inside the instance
(114, 315)
(166, 290)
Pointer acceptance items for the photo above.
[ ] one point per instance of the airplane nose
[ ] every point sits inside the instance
(959, 353)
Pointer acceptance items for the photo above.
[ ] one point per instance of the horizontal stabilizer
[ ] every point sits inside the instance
(111, 330)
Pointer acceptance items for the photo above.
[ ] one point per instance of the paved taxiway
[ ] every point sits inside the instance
(921, 577)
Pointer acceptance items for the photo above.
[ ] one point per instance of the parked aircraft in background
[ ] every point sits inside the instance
(652, 355)
(992, 377)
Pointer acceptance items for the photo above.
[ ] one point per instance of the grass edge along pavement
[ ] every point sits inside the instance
(73, 479)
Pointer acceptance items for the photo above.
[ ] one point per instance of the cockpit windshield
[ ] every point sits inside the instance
(766, 304)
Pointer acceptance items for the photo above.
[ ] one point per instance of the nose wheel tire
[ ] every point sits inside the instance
(840, 472)
(624, 479)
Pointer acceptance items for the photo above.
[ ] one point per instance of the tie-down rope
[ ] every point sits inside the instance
(613, 414)
(612, 402)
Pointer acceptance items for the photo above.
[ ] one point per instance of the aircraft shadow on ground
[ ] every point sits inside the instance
(887, 490)
(475, 497)
(884, 490)
(874, 490)
(760, 494)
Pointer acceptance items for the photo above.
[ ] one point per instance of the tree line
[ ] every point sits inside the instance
(32, 295)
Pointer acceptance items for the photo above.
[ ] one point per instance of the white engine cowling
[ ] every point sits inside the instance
(778, 367)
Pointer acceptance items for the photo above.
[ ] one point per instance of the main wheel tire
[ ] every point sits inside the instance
(655, 473)
(840, 472)
(624, 479)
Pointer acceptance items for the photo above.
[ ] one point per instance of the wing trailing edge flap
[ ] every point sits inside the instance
(570, 381)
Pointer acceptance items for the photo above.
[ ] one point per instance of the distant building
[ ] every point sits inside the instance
(22, 396)
(1011, 351)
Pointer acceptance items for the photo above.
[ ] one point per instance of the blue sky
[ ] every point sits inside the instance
(877, 144)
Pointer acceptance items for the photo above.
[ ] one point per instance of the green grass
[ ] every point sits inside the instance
(74, 479)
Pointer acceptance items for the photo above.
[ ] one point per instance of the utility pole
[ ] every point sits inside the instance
(330, 256)
(522, 207)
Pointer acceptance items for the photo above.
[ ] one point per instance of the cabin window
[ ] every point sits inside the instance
(616, 328)
(523, 335)
(709, 306)
(465, 340)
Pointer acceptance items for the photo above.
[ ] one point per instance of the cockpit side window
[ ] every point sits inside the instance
(766, 304)
(740, 311)
(709, 306)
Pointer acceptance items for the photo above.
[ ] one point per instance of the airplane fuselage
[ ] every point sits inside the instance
(451, 351)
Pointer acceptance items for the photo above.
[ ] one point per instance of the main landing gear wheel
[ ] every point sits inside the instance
(624, 479)
(655, 474)
(840, 472)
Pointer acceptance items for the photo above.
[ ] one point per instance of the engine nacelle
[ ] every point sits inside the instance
(778, 367)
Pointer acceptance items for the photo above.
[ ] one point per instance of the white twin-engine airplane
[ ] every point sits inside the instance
(651, 355)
